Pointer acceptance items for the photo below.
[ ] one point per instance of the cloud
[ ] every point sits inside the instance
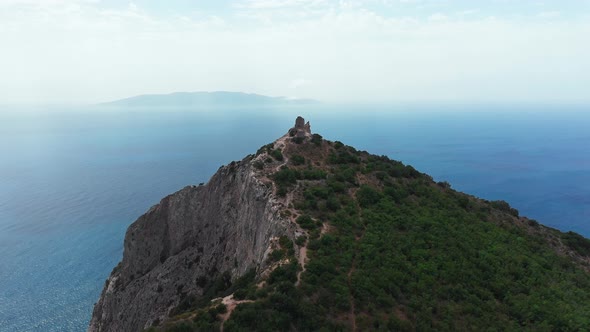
(438, 17)
(274, 4)
(550, 14)
(44, 3)
(296, 83)
(468, 12)
(84, 52)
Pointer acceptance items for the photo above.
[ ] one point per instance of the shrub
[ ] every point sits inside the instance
(286, 176)
(298, 140)
(316, 139)
(504, 206)
(336, 186)
(276, 255)
(220, 309)
(240, 294)
(333, 203)
(577, 242)
(180, 327)
(282, 191)
(187, 303)
(301, 240)
(463, 201)
(258, 164)
(286, 244)
(287, 272)
(266, 148)
(306, 222)
(314, 174)
(297, 160)
(343, 157)
(345, 174)
(381, 176)
(277, 154)
(444, 185)
(319, 191)
(410, 172)
(367, 196)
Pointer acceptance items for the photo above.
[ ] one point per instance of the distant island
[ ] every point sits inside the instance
(194, 99)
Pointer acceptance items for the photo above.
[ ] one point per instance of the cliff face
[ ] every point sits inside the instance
(223, 226)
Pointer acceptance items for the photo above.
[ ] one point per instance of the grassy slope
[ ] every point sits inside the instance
(405, 253)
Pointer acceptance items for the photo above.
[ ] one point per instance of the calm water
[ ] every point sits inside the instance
(71, 181)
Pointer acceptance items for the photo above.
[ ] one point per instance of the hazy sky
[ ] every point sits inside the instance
(364, 50)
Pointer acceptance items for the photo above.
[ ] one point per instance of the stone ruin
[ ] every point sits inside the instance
(302, 129)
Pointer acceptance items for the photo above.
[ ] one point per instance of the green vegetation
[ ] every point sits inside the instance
(306, 222)
(258, 164)
(343, 156)
(404, 253)
(410, 254)
(297, 160)
(317, 139)
(298, 140)
(286, 250)
(217, 287)
(368, 196)
(286, 177)
(577, 242)
(265, 148)
(277, 154)
(504, 206)
(274, 153)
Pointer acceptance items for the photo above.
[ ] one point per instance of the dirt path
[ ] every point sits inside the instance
(325, 228)
(281, 143)
(302, 259)
(230, 304)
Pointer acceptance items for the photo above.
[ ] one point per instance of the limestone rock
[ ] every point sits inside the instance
(199, 231)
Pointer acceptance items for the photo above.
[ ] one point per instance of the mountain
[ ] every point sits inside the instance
(309, 234)
(195, 99)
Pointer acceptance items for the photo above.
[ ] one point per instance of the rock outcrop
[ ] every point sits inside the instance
(203, 231)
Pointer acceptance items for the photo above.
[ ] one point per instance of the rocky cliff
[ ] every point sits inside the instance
(200, 232)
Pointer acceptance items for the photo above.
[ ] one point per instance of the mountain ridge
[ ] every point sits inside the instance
(308, 233)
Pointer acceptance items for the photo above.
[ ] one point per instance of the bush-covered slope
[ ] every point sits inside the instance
(389, 249)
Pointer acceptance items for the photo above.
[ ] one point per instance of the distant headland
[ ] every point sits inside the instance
(218, 98)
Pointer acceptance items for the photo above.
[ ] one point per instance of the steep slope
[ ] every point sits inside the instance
(310, 233)
(192, 236)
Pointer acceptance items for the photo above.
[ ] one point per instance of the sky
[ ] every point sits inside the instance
(89, 51)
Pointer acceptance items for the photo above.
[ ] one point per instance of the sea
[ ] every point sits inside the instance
(72, 178)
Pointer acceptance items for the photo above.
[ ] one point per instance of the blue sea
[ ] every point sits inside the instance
(72, 179)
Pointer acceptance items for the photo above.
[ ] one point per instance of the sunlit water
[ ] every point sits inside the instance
(71, 181)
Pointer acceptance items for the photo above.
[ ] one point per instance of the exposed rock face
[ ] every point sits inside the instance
(225, 225)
